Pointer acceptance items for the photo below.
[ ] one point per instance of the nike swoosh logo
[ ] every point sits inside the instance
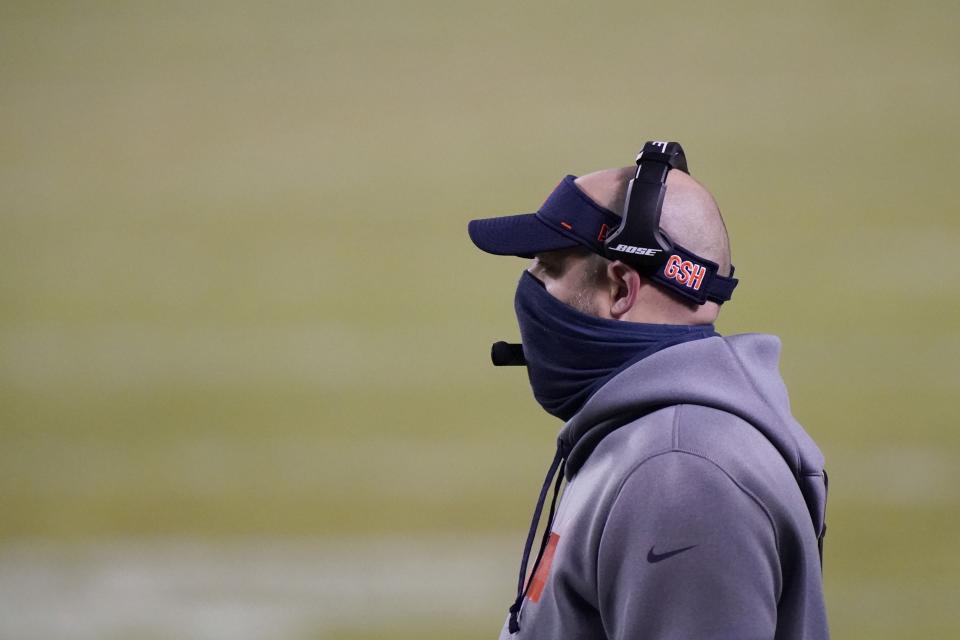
(657, 557)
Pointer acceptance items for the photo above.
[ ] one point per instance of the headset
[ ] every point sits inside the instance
(641, 243)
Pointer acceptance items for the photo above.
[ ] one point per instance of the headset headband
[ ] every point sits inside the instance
(641, 243)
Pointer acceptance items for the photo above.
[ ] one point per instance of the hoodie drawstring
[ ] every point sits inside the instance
(823, 529)
(559, 462)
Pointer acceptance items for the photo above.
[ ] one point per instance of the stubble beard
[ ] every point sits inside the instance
(583, 299)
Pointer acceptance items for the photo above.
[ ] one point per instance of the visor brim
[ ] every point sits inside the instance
(521, 235)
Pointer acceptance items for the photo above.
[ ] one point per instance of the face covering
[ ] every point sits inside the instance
(571, 354)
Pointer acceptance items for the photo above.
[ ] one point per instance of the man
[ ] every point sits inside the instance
(694, 505)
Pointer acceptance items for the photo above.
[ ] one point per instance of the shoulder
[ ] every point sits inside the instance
(728, 441)
(684, 491)
(706, 452)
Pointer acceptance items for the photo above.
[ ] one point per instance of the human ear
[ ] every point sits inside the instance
(624, 288)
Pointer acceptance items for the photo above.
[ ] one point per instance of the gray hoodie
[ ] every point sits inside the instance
(693, 508)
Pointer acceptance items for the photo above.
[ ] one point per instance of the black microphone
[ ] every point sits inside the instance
(506, 354)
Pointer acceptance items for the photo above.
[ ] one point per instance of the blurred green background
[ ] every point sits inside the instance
(245, 388)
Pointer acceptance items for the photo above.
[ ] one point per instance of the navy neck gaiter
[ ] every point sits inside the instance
(571, 354)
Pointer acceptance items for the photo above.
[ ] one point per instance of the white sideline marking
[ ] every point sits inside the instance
(251, 589)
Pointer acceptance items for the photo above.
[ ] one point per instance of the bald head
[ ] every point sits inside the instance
(690, 216)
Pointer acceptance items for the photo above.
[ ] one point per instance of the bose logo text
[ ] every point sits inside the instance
(643, 251)
(685, 272)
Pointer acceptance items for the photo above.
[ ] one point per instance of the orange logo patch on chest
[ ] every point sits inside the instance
(539, 579)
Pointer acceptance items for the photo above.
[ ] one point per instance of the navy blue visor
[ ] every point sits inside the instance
(568, 218)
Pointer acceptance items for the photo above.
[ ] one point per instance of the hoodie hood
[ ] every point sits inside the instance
(738, 374)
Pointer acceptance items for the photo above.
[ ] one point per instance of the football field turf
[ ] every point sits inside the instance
(245, 385)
